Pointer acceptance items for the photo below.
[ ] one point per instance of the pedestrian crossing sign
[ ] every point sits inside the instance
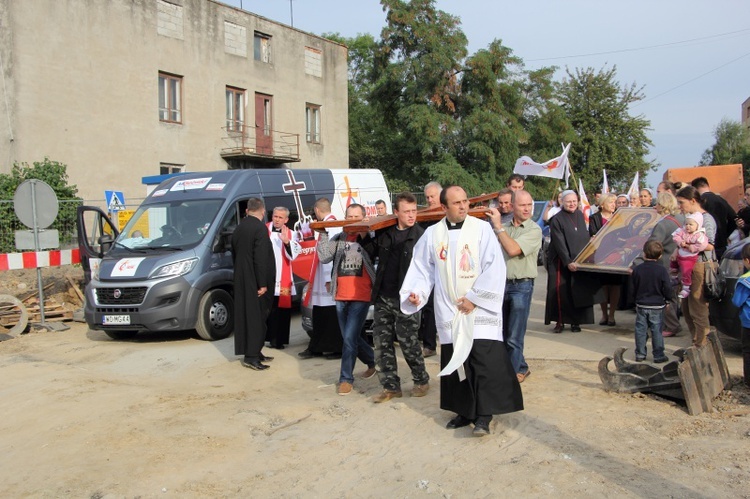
(115, 200)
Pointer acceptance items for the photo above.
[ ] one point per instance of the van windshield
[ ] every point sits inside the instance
(176, 224)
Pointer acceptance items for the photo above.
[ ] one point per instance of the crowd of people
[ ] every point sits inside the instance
(469, 284)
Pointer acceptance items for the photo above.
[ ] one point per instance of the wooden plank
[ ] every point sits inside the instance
(75, 288)
(703, 374)
(690, 388)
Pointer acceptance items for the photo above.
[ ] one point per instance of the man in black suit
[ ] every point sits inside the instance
(254, 274)
(722, 212)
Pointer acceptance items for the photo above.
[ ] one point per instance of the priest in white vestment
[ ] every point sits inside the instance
(285, 249)
(461, 259)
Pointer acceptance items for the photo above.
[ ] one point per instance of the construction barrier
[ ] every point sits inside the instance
(39, 259)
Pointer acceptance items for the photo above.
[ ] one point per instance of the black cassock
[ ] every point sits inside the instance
(254, 267)
(569, 294)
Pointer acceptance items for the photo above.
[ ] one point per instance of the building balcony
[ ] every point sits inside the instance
(259, 144)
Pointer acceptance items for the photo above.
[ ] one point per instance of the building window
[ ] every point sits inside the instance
(313, 62)
(235, 109)
(262, 47)
(312, 120)
(167, 168)
(170, 98)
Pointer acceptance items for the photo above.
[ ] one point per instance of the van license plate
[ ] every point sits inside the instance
(109, 320)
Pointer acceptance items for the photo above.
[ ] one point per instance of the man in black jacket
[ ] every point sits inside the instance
(394, 246)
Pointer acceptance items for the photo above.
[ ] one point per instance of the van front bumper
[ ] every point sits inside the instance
(141, 306)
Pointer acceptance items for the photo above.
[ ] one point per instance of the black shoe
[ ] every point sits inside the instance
(277, 347)
(333, 356)
(307, 354)
(481, 429)
(458, 422)
(265, 358)
(575, 328)
(254, 365)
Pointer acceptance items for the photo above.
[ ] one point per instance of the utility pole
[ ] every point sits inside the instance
(291, 11)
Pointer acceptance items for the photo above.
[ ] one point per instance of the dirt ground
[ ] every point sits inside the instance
(170, 415)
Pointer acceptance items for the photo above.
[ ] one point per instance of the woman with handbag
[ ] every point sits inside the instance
(695, 306)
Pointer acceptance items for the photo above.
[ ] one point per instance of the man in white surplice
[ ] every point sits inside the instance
(459, 257)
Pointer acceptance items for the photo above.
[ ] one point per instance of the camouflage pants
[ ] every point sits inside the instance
(391, 325)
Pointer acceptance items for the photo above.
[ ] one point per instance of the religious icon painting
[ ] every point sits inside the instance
(619, 242)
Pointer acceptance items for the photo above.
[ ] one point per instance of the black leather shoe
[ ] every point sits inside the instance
(307, 354)
(458, 422)
(481, 429)
(254, 365)
(277, 347)
(575, 328)
(265, 358)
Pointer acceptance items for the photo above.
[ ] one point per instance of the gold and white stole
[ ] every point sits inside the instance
(458, 267)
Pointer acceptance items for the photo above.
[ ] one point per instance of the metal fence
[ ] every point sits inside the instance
(65, 223)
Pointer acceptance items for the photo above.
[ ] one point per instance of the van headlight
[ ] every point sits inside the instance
(174, 269)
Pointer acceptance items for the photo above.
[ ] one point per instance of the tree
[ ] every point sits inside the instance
(732, 146)
(55, 175)
(606, 135)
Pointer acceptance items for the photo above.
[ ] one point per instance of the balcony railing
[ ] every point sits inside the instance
(260, 144)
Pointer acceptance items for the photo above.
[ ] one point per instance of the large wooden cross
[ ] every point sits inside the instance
(385, 221)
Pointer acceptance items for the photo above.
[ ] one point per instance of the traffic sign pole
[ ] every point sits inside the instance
(39, 283)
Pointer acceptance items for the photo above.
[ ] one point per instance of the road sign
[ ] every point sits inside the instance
(115, 200)
(35, 199)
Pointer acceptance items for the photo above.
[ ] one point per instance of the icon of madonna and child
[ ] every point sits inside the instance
(619, 242)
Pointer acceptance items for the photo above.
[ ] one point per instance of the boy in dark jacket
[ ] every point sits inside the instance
(741, 300)
(394, 247)
(652, 291)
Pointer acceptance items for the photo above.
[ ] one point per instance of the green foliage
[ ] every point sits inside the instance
(422, 108)
(606, 135)
(732, 146)
(55, 175)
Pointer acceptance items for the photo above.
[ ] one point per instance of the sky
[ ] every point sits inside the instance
(692, 57)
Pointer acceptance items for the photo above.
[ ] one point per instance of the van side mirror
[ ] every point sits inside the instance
(224, 242)
(105, 243)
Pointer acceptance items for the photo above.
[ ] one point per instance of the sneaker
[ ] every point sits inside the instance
(428, 352)
(640, 359)
(420, 390)
(668, 334)
(661, 360)
(345, 388)
(386, 395)
(369, 373)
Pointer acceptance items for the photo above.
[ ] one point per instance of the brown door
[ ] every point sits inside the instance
(263, 124)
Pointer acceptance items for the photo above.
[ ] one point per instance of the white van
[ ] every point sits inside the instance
(171, 267)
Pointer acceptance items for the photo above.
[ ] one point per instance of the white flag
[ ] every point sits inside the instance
(585, 205)
(554, 168)
(634, 187)
(605, 184)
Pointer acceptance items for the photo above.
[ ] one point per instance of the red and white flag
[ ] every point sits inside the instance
(585, 205)
(605, 184)
(554, 168)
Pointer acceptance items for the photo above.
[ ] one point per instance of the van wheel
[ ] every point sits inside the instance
(215, 315)
(121, 335)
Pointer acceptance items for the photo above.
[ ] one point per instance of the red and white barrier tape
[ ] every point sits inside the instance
(34, 259)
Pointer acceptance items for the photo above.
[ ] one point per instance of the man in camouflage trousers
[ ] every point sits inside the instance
(393, 246)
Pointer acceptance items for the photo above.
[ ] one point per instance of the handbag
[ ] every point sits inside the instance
(714, 282)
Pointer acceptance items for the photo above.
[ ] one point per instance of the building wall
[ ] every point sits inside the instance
(83, 87)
